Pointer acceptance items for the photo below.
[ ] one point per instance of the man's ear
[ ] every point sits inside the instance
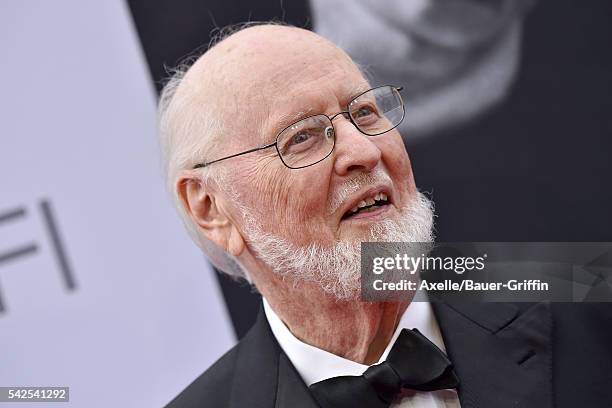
(205, 208)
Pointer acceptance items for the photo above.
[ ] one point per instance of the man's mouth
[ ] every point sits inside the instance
(368, 205)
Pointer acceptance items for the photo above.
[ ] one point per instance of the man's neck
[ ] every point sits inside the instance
(356, 330)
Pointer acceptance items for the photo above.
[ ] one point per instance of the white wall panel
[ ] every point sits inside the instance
(77, 129)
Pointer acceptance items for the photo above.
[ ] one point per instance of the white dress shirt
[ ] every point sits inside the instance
(314, 364)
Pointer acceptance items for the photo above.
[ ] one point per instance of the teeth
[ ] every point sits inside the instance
(369, 201)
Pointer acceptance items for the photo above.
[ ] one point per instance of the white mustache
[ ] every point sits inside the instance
(377, 176)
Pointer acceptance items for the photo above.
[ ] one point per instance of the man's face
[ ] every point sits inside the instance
(313, 204)
(307, 223)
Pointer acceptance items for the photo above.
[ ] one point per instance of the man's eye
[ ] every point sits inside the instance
(299, 138)
(364, 111)
(299, 142)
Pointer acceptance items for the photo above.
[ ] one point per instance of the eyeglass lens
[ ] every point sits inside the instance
(312, 139)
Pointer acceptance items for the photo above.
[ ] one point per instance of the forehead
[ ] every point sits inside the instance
(327, 89)
(272, 76)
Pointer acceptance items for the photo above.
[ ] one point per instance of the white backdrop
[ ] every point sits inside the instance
(77, 130)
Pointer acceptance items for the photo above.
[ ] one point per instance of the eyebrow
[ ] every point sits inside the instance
(287, 119)
(358, 90)
(283, 121)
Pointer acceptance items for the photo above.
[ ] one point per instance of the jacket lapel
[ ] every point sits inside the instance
(503, 357)
(292, 392)
(265, 378)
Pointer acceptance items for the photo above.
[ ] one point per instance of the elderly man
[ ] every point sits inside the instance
(284, 158)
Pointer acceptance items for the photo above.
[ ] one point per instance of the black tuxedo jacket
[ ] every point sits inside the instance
(505, 355)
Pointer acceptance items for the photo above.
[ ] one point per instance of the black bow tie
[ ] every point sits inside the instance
(414, 362)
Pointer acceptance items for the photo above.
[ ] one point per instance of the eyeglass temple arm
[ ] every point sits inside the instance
(202, 165)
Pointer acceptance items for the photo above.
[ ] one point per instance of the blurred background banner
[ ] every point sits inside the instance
(508, 127)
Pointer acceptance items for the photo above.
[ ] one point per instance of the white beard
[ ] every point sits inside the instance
(337, 268)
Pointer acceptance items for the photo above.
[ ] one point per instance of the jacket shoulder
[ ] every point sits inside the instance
(212, 388)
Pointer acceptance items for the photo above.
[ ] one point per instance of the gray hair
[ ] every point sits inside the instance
(187, 135)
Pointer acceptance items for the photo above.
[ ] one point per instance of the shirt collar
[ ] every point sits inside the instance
(314, 364)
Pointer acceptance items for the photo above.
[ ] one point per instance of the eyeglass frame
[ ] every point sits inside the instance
(331, 118)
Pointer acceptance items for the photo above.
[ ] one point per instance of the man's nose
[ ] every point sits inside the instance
(354, 150)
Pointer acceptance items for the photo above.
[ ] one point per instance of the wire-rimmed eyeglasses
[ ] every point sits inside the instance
(312, 139)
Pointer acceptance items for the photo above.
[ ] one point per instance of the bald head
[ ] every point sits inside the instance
(246, 74)
(253, 56)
